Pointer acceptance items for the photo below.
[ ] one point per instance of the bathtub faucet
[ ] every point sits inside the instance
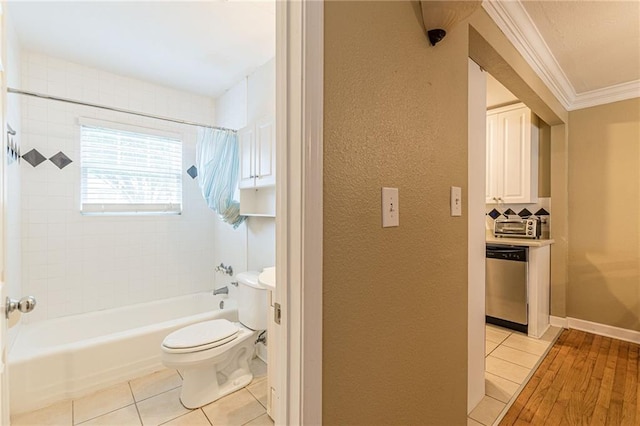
(225, 269)
(221, 290)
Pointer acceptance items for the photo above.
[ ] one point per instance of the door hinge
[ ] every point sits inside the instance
(277, 313)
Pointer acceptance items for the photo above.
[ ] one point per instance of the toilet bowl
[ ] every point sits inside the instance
(214, 356)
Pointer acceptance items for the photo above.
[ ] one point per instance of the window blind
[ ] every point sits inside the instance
(127, 171)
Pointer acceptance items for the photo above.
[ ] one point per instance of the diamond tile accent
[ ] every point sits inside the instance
(542, 212)
(34, 157)
(60, 160)
(494, 214)
(524, 213)
(192, 171)
(509, 212)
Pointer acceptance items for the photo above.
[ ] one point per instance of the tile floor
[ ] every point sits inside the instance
(510, 359)
(153, 400)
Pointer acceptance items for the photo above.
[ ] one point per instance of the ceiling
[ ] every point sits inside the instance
(586, 52)
(204, 47)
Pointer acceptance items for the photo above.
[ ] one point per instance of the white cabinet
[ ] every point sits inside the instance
(512, 155)
(258, 154)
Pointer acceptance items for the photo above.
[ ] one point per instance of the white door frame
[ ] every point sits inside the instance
(299, 119)
(4, 379)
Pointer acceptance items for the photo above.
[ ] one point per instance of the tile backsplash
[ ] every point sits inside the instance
(541, 209)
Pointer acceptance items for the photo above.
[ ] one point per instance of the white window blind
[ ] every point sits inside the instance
(129, 170)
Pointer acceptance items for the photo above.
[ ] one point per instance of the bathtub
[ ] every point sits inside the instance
(72, 356)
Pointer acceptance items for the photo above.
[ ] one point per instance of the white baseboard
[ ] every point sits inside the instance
(597, 328)
(558, 321)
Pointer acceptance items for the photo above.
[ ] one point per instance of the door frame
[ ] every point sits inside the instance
(299, 120)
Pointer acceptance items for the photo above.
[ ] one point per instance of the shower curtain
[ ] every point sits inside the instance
(218, 162)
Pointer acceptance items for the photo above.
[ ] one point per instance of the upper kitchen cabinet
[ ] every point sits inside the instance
(258, 154)
(512, 155)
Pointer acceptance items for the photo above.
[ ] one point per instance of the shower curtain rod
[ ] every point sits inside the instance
(141, 114)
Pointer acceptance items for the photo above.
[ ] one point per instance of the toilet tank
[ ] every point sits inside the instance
(253, 310)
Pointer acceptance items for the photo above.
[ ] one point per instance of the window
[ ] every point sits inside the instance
(128, 169)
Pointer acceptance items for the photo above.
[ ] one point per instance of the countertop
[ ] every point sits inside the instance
(525, 242)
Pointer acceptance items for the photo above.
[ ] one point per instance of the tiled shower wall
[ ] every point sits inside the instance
(74, 263)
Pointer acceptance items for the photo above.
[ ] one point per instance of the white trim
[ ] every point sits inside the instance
(476, 244)
(558, 321)
(597, 328)
(516, 24)
(615, 93)
(299, 117)
(311, 386)
(514, 21)
(604, 330)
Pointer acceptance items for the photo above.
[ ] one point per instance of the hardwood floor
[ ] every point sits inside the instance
(585, 379)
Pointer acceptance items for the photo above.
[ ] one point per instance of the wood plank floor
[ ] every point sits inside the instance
(584, 380)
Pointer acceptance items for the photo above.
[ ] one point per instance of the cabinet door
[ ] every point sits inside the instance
(515, 135)
(265, 167)
(246, 141)
(494, 155)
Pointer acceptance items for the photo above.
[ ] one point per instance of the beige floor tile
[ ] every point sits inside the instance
(499, 388)
(506, 370)
(496, 334)
(526, 344)
(237, 408)
(127, 416)
(471, 422)
(259, 389)
(516, 356)
(487, 411)
(490, 346)
(102, 402)
(263, 420)
(194, 418)
(155, 384)
(161, 408)
(58, 414)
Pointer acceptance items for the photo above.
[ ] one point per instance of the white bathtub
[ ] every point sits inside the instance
(71, 356)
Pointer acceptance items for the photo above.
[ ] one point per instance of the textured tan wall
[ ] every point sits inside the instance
(560, 219)
(604, 214)
(395, 299)
(544, 159)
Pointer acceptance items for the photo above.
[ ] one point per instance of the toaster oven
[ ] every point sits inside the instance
(517, 228)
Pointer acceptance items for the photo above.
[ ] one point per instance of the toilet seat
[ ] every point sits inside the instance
(201, 336)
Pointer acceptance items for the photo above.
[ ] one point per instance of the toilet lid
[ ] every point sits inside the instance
(201, 336)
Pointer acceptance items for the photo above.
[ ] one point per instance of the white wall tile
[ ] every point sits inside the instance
(74, 263)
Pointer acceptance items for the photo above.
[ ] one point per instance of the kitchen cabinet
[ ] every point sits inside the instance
(258, 154)
(512, 155)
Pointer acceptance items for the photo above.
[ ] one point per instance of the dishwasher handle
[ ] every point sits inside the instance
(512, 253)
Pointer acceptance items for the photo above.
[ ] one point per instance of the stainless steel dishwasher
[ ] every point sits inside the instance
(506, 287)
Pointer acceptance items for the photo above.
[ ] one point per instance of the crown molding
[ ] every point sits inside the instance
(516, 24)
(615, 93)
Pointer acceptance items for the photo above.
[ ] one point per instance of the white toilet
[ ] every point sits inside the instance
(213, 356)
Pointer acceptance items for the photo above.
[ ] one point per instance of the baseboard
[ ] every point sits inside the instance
(558, 321)
(597, 328)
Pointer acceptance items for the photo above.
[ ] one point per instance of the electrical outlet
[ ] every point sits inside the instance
(390, 207)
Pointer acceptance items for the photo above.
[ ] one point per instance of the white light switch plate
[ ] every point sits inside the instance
(456, 201)
(390, 207)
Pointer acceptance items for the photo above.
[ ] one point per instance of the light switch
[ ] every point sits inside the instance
(390, 207)
(456, 201)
